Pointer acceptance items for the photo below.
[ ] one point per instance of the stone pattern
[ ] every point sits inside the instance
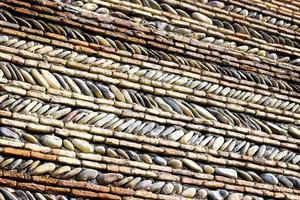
(149, 99)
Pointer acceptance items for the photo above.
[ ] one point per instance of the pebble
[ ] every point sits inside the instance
(186, 137)
(176, 135)
(202, 193)
(7, 194)
(43, 169)
(160, 161)
(51, 141)
(157, 186)
(133, 182)
(294, 132)
(175, 163)
(83, 145)
(68, 145)
(146, 158)
(87, 174)
(231, 173)
(168, 188)
(8, 133)
(296, 159)
(201, 17)
(244, 175)
(61, 170)
(108, 178)
(286, 182)
(29, 138)
(90, 6)
(217, 194)
(217, 4)
(235, 196)
(145, 184)
(218, 143)
(208, 169)
(269, 178)
(100, 150)
(189, 192)
(192, 165)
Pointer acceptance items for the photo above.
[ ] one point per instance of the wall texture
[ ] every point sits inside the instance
(149, 99)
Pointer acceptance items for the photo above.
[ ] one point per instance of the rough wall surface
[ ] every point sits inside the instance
(149, 99)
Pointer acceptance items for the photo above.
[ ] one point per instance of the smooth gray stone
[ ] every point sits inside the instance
(255, 176)
(296, 159)
(239, 146)
(51, 141)
(83, 87)
(283, 180)
(156, 131)
(39, 196)
(147, 128)
(108, 178)
(30, 195)
(133, 155)
(217, 4)
(156, 187)
(87, 174)
(231, 173)
(133, 182)
(168, 188)
(145, 184)
(7, 194)
(8, 133)
(106, 92)
(21, 195)
(269, 178)
(14, 164)
(244, 175)
(261, 151)
(217, 194)
(295, 181)
(173, 105)
(160, 161)
(168, 131)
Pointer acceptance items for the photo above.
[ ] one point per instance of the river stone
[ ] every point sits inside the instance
(217, 194)
(168, 188)
(176, 135)
(202, 193)
(189, 192)
(231, 173)
(145, 184)
(244, 175)
(51, 141)
(296, 159)
(155, 187)
(201, 17)
(133, 182)
(160, 161)
(8, 133)
(208, 169)
(294, 132)
(192, 165)
(43, 169)
(61, 170)
(87, 174)
(175, 163)
(218, 143)
(90, 6)
(108, 178)
(187, 137)
(217, 4)
(19, 193)
(83, 145)
(235, 196)
(269, 178)
(285, 181)
(146, 158)
(7, 194)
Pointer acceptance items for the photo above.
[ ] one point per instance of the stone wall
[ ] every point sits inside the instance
(149, 99)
